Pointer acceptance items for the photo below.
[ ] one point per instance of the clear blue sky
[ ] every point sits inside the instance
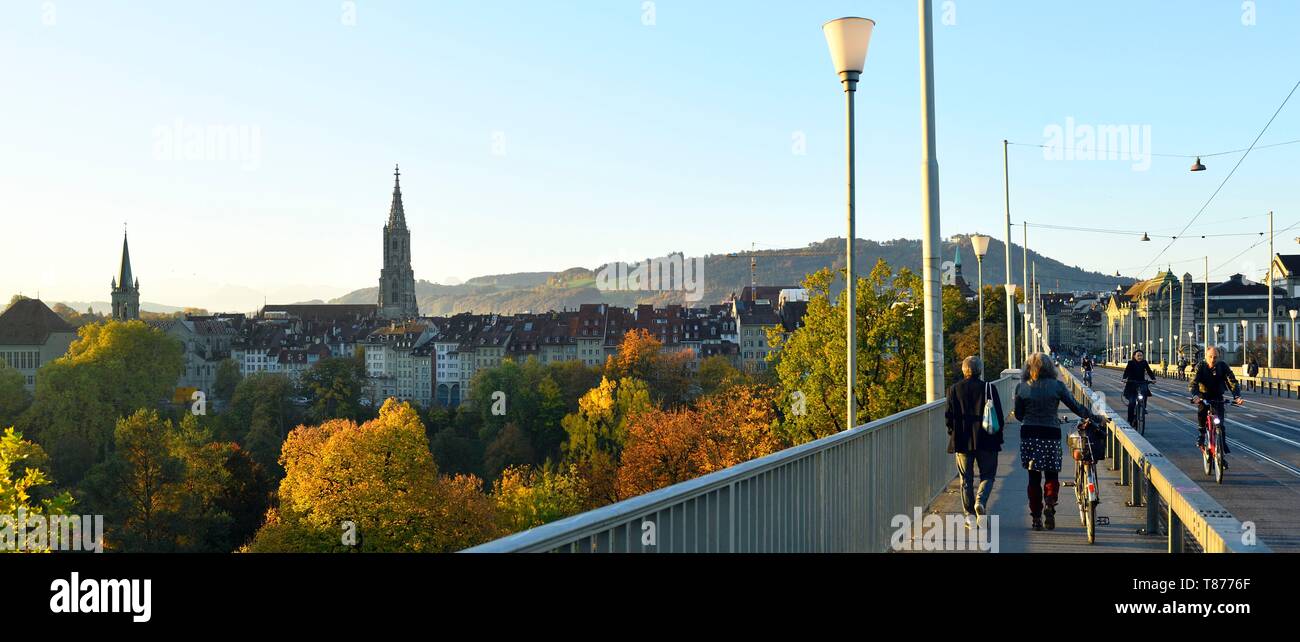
(621, 140)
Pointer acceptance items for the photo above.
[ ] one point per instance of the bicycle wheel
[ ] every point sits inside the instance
(1081, 494)
(1218, 460)
(1142, 418)
(1206, 462)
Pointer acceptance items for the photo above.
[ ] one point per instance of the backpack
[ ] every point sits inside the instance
(992, 423)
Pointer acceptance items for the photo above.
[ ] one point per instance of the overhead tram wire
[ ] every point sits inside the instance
(1239, 254)
(1072, 228)
(1218, 189)
(1102, 152)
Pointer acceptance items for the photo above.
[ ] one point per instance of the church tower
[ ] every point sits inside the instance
(396, 280)
(126, 289)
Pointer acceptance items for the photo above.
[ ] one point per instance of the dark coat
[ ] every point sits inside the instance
(965, 417)
(1211, 383)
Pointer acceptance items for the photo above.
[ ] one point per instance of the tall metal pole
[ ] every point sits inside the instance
(1182, 310)
(1270, 292)
(930, 245)
(1024, 278)
(1033, 303)
(1011, 305)
(979, 261)
(1206, 348)
(850, 283)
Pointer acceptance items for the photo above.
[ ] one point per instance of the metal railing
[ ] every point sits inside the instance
(837, 494)
(1154, 481)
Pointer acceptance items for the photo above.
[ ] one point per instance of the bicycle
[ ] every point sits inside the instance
(1087, 378)
(1086, 490)
(1212, 459)
(1140, 413)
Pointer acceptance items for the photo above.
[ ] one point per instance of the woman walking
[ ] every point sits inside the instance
(1039, 396)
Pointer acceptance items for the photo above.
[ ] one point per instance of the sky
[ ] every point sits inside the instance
(249, 146)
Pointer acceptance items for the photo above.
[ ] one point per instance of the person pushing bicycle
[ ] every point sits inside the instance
(1209, 381)
(1135, 376)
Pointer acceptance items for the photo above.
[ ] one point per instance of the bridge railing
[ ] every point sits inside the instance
(836, 494)
(1155, 482)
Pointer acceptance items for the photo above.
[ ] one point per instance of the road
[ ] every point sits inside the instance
(1263, 480)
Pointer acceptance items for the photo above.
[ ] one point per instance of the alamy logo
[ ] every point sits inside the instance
(1100, 142)
(934, 532)
(673, 272)
(76, 595)
(43, 533)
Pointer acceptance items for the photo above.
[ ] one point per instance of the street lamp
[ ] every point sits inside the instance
(1293, 313)
(980, 243)
(848, 39)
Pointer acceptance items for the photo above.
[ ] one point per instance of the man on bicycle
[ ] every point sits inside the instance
(1209, 381)
(1087, 369)
(1136, 372)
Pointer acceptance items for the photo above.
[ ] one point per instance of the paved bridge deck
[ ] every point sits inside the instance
(1009, 501)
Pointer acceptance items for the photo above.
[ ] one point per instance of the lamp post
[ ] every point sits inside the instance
(1191, 343)
(1010, 284)
(1293, 313)
(848, 39)
(1244, 324)
(980, 243)
(931, 247)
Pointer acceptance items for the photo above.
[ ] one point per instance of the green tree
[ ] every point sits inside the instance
(260, 415)
(24, 485)
(109, 372)
(14, 398)
(334, 388)
(717, 373)
(810, 362)
(138, 488)
(227, 379)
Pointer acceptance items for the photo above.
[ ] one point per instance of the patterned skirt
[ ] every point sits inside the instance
(1037, 453)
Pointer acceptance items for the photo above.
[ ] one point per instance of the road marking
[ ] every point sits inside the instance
(1278, 423)
(1264, 432)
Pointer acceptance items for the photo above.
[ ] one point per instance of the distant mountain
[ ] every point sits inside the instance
(106, 308)
(725, 274)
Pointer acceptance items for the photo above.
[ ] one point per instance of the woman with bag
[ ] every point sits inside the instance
(974, 417)
(1039, 396)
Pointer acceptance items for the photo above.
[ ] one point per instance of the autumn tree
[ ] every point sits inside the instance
(529, 497)
(260, 415)
(641, 356)
(597, 430)
(379, 476)
(717, 373)
(665, 447)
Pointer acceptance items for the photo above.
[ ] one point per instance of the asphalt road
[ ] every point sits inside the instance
(1263, 479)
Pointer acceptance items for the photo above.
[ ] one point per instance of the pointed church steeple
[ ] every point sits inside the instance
(126, 288)
(396, 214)
(124, 271)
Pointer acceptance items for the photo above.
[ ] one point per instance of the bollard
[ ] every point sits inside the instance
(1175, 531)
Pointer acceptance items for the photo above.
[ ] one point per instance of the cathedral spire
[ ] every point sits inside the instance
(396, 214)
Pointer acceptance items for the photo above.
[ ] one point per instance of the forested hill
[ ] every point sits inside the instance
(723, 275)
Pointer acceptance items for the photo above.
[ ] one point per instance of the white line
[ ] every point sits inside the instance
(1278, 423)
(1264, 433)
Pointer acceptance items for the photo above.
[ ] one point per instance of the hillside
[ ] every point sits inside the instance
(723, 275)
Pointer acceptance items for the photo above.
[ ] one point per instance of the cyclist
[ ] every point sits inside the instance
(1087, 369)
(1136, 372)
(1209, 381)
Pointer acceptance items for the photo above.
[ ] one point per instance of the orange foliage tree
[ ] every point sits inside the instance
(665, 447)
